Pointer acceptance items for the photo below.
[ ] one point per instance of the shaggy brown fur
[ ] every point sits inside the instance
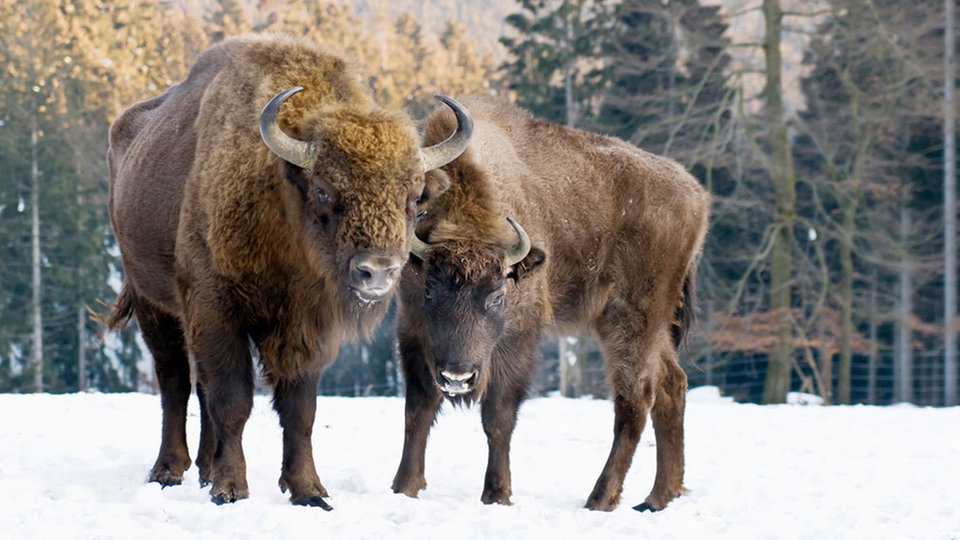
(615, 235)
(224, 245)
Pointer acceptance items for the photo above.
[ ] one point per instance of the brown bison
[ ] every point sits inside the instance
(278, 233)
(609, 241)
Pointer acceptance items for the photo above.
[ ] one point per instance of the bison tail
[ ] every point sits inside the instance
(122, 310)
(685, 313)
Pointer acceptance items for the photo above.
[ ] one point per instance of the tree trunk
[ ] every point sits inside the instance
(904, 363)
(949, 212)
(572, 354)
(571, 363)
(874, 327)
(845, 294)
(569, 57)
(81, 348)
(777, 382)
(37, 353)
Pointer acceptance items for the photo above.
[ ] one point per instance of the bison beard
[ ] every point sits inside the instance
(289, 238)
(611, 239)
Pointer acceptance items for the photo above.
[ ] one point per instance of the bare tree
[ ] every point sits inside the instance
(949, 210)
(784, 188)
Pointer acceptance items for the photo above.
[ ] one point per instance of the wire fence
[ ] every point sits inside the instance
(740, 377)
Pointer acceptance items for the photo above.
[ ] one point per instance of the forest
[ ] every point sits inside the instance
(824, 130)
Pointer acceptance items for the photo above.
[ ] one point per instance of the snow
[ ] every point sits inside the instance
(73, 466)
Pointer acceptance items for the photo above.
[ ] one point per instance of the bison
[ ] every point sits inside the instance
(550, 230)
(272, 233)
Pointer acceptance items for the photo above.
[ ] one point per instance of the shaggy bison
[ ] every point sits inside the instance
(606, 238)
(255, 219)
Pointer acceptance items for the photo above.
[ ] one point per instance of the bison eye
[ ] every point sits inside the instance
(495, 301)
(322, 196)
(421, 213)
(416, 197)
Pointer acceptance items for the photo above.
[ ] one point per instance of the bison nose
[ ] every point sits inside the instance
(373, 276)
(454, 383)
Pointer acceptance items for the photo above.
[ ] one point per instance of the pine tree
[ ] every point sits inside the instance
(462, 69)
(667, 82)
(70, 66)
(403, 60)
(228, 18)
(554, 62)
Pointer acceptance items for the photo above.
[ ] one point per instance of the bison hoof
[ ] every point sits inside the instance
(496, 498)
(410, 488)
(600, 505)
(228, 496)
(205, 482)
(312, 500)
(412, 493)
(645, 507)
(165, 477)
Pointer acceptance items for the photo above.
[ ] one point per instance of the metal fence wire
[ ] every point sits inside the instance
(372, 370)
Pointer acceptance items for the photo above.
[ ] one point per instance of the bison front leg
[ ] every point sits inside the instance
(499, 416)
(421, 404)
(630, 415)
(295, 401)
(225, 371)
(164, 337)
(208, 439)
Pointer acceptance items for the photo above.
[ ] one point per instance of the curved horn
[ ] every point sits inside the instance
(440, 154)
(418, 248)
(300, 153)
(519, 250)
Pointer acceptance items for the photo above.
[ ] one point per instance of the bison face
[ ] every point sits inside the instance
(360, 233)
(466, 306)
(358, 177)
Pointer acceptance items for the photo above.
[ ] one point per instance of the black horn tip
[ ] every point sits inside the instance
(463, 115)
(270, 110)
(519, 250)
(438, 155)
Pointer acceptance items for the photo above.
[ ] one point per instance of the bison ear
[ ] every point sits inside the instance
(531, 262)
(294, 175)
(435, 182)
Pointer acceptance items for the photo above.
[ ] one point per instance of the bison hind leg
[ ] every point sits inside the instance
(164, 337)
(647, 506)
(667, 415)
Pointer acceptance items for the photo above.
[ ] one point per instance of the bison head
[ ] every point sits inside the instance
(358, 175)
(466, 304)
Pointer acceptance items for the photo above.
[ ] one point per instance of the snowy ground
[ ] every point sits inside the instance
(73, 466)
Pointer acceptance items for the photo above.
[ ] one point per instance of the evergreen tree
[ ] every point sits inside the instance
(404, 58)
(228, 18)
(667, 70)
(70, 66)
(463, 70)
(554, 57)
